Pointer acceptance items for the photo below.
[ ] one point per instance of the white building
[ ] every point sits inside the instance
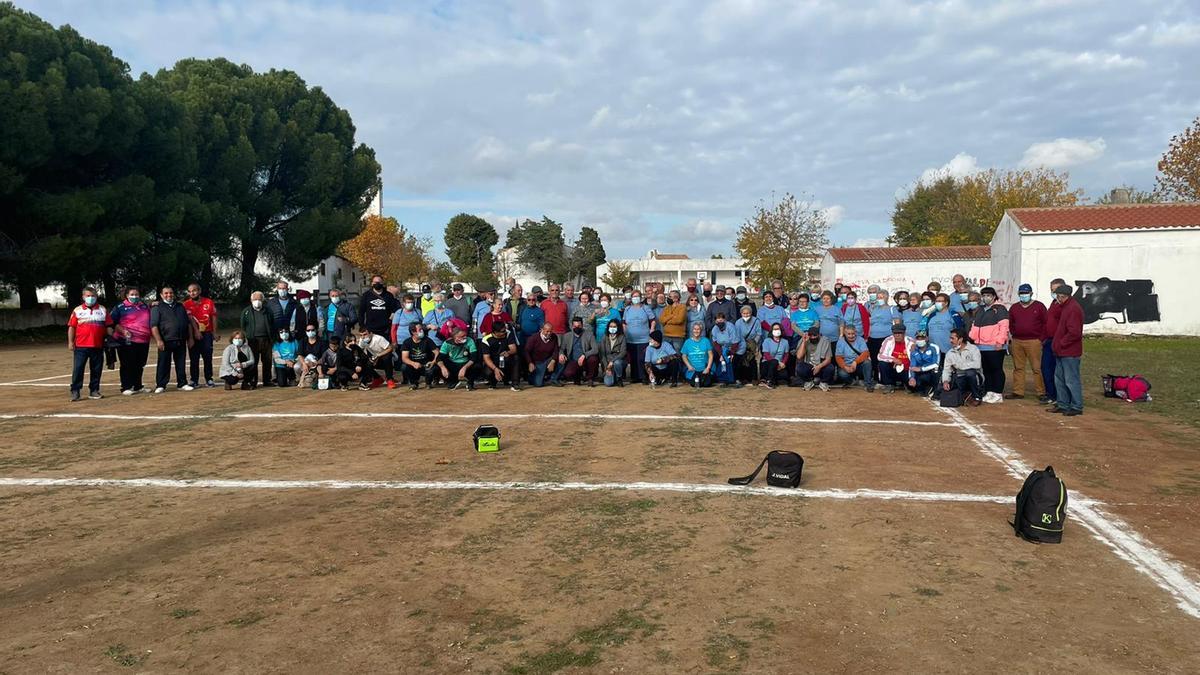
(508, 266)
(336, 271)
(1133, 266)
(907, 268)
(673, 270)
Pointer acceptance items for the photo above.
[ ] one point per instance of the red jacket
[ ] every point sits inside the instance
(1068, 334)
(1052, 314)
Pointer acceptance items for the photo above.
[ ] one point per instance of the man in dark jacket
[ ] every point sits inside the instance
(285, 311)
(337, 317)
(579, 355)
(721, 304)
(459, 304)
(377, 307)
(260, 335)
(1068, 350)
(740, 300)
(171, 326)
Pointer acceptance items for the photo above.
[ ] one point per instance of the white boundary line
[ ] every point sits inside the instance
(1110, 530)
(227, 484)
(472, 416)
(39, 379)
(51, 384)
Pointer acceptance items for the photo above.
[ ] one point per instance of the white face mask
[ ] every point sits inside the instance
(283, 292)
(922, 343)
(256, 304)
(612, 330)
(238, 342)
(311, 333)
(284, 336)
(604, 304)
(637, 300)
(902, 302)
(408, 306)
(305, 301)
(776, 333)
(335, 299)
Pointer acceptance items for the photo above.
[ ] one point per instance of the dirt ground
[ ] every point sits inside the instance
(306, 580)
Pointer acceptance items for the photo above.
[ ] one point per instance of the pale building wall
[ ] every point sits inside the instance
(673, 274)
(899, 275)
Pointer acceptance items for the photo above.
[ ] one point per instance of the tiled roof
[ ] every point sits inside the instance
(911, 253)
(1107, 217)
(671, 256)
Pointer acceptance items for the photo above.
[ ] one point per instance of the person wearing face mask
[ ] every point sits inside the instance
(172, 330)
(284, 358)
(1049, 363)
(854, 315)
(257, 327)
(500, 359)
(690, 289)
(718, 305)
(662, 361)
(436, 318)
(377, 307)
(695, 311)
(961, 294)
(1068, 353)
(605, 313)
(772, 312)
(87, 328)
(337, 316)
(306, 312)
(725, 342)
(374, 354)
(853, 360)
(337, 364)
(774, 356)
(458, 360)
(925, 360)
(742, 299)
(814, 360)
(829, 317)
(971, 308)
(1027, 322)
(404, 318)
(881, 317)
(638, 322)
(308, 353)
(990, 332)
(940, 322)
(613, 354)
(418, 356)
(746, 354)
(131, 330)
(237, 363)
(204, 317)
(579, 355)
(285, 309)
(913, 316)
(895, 359)
(673, 321)
(697, 363)
(427, 302)
(706, 296)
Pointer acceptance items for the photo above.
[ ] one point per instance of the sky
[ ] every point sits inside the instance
(664, 124)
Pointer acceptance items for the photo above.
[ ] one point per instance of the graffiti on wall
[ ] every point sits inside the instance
(1128, 301)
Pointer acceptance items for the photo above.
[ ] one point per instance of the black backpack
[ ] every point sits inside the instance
(952, 398)
(1041, 508)
(783, 470)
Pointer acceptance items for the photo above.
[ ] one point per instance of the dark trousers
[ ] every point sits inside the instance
(93, 357)
(110, 357)
(174, 351)
(745, 369)
(889, 377)
(576, 373)
(770, 370)
(453, 368)
(285, 376)
(371, 372)
(248, 379)
(508, 371)
(804, 373)
(699, 379)
(636, 357)
(1048, 364)
(202, 348)
(993, 370)
(133, 364)
(262, 353)
(969, 382)
(873, 345)
(412, 375)
(926, 381)
(664, 372)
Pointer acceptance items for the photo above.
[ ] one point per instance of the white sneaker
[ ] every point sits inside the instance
(186, 387)
(159, 390)
(808, 386)
(127, 392)
(823, 386)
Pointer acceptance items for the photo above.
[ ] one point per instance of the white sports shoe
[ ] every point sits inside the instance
(823, 386)
(159, 390)
(127, 392)
(186, 387)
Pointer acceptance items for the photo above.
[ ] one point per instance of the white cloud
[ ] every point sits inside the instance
(1088, 60)
(1162, 35)
(961, 165)
(600, 116)
(1062, 153)
(873, 242)
(834, 214)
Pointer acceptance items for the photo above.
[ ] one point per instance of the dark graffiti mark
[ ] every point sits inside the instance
(1131, 301)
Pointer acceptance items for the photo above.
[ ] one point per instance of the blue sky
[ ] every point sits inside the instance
(663, 124)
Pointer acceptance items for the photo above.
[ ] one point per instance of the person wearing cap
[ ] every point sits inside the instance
(990, 332)
(579, 355)
(718, 305)
(404, 318)
(853, 359)
(814, 360)
(1068, 352)
(698, 357)
(427, 300)
(962, 368)
(662, 361)
(925, 361)
(418, 356)
(741, 299)
(499, 348)
(1048, 361)
(555, 309)
(895, 359)
(1027, 323)
(459, 304)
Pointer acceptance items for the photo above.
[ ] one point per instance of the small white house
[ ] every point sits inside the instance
(1133, 266)
(907, 268)
(673, 270)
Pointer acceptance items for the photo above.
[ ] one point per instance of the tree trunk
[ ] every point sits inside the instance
(248, 281)
(110, 289)
(74, 292)
(206, 278)
(27, 291)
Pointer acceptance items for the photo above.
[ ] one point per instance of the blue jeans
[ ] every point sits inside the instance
(618, 372)
(92, 357)
(1048, 362)
(864, 370)
(538, 377)
(1068, 384)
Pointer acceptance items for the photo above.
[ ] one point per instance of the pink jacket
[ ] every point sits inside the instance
(990, 328)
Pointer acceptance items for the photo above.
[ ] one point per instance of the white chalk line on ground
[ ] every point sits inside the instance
(540, 486)
(1109, 529)
(473, 416)
(39, 379)
(51, 384)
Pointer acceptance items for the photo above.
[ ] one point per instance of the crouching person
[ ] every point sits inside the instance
(963, 368)
(853, 359)
(662, 361)
(579, 355)
(500, 357)
(895, 358)
(418, 356)
(698, 357)
(336, 364)
(924, 359)
(814, 360)
(775, 350)
(283, 355)
(237, 363)
(373, 360)
(457, 360)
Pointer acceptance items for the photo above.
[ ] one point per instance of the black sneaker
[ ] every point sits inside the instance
(74, 396)
(415, 386)
(470, 386)
(1072, 413)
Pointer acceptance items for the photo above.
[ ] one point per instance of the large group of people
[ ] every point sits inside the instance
(919, 341)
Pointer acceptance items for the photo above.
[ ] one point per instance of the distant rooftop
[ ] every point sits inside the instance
(911, 253)
(1107, 217)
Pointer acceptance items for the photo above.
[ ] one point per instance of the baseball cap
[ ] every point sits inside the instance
(899, 328)
(1025, 288)
(456, 287)
(425, 288)
(1065, 289)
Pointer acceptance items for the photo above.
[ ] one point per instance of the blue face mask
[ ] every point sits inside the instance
(972, 305)
(1025, 297)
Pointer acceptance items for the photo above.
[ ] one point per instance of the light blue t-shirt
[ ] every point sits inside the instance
(939, 326)
(850, 315)
(696, 352)
(437, 317)
(844, 348)
(637, 324)
(913, 321)
(803, 319)
(773, 314)
(653, 354)
(881, 320)
(402, 320)
(831, 321)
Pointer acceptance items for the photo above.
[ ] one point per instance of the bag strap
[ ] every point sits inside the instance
(746, 480)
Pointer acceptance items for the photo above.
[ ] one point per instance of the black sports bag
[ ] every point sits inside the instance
(1041, 508)
(783, 470)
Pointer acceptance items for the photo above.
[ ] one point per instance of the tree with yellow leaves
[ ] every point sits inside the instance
(1179, 169)
(783, 241)
(384, 247)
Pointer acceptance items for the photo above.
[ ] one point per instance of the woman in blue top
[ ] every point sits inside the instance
(603, 314)
(827, 314)
(940, 323)
(403, 319)
(883, 316)
(803, 316)
(725, 339)
(771, 311)
(437, 316)
(774, 353)
(639, 320)
(852, 315)
(698, 357)
(283, 355)
(694, 311)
